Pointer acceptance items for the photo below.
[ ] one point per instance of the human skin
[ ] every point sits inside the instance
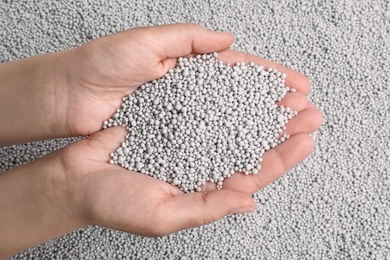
(71, 93)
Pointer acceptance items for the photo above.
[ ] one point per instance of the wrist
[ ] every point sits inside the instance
(33, 99)
(59, 189)
(35, 205)
(57, 67)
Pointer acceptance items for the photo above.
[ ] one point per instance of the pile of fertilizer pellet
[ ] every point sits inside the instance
(203, 121)
(334, 205)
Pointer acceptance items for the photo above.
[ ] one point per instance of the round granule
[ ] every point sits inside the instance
(203, 121)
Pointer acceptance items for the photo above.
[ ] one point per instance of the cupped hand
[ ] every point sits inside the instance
(107, 69)
(100, 73)
(111, 196)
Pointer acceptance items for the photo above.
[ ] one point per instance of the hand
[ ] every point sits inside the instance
(110, 196)
(71, 93)
(76, 186)
(100, 73)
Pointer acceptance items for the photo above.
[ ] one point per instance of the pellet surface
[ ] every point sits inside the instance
(335, 205)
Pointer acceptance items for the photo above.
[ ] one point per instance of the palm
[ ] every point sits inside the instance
(105, 70)
(127, 201)
(104, 77)
(109, 195)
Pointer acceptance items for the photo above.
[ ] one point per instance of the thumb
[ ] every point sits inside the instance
(196, 209)
(176, 40)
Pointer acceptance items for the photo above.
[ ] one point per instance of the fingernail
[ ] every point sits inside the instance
(243, 210)
(226, 33)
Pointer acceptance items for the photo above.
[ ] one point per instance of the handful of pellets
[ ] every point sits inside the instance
(202, 121)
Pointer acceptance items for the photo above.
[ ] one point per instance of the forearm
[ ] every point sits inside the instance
(29, 98)
(33, 206)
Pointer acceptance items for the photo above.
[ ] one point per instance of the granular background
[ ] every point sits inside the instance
(335, 205)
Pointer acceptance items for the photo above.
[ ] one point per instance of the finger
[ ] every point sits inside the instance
(306, 122)
(294, 79)
(276, 162)
(176, 40)
(196, 209)
(294, 100)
